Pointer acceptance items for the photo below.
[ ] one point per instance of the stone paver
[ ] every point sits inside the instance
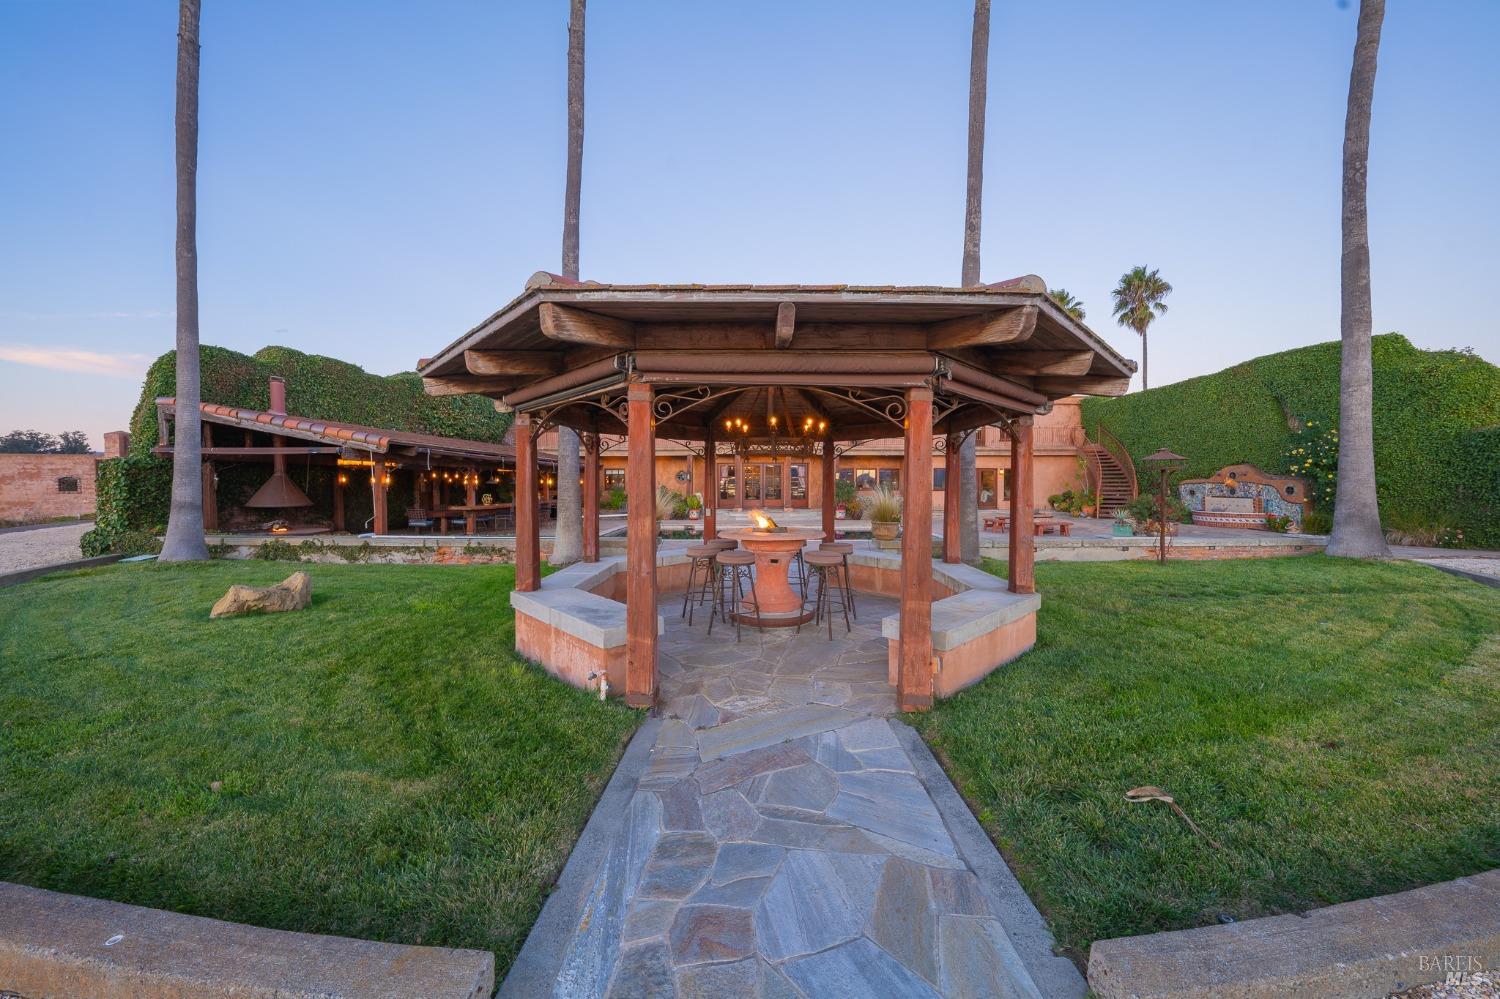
(780, 841)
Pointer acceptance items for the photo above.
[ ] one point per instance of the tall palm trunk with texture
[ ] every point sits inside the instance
(968, 472)
(568, 545)
(1356, 514)
(184, 541)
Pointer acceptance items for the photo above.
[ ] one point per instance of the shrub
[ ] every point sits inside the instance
(666, 503)
(1317, 522)
(613, 500)
(1314, 457)
(694, 502)
(1278, 524)
(277, 550)
(844, 491)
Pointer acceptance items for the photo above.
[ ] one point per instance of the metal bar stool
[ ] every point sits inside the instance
(700, 577)
(844, 549)
(826, 566)
(734, 571)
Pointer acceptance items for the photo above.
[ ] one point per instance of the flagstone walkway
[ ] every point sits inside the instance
(779, 841)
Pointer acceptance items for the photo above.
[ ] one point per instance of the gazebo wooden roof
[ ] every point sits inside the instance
(838, 353)
(815, 363)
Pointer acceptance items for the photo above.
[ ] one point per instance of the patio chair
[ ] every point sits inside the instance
(417, 519)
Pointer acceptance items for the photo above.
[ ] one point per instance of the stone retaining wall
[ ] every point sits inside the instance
(1372, 947)
(1053, 549)
(53, 944)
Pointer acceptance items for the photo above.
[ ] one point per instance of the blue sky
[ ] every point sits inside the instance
(375, 177)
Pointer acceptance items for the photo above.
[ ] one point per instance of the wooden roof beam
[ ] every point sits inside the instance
(985, 329)
(1047, 362)
(513, 362)
(1087, 386)
(786, 324)
(569, 325)
(467, 385)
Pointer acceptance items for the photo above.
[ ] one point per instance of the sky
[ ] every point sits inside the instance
(376, 177)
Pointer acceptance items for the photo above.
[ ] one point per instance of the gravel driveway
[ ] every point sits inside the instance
(37, 546)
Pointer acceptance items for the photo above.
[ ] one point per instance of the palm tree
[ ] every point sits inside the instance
(1067, 302)
(1138, 301)
(1356, 511)
(184, 541)
(979, 56)
(567, 547)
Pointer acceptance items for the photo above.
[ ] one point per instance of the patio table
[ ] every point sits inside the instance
(470, 512)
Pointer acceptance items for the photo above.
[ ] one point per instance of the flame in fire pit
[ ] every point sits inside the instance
(280, 527)
(763, 523)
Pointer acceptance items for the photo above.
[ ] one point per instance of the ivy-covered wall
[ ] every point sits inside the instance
(135, 492)
(1437, 427)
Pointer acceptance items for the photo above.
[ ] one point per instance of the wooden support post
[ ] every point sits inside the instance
(528, 533)
(710, 485)
(640, 559)
(1022, 532)
(591, 497)
(471, 486)
(382, 521)
(952, 506)
(830, 490)
(210, 495)
(786, 485)
(338, 499)
(739, 481)
(914, 681)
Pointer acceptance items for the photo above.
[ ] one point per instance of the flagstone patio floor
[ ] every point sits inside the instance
(779, 841)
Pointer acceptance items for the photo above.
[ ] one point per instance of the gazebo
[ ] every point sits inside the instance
(774, 369)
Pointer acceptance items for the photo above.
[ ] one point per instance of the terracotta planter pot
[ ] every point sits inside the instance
(885, 531)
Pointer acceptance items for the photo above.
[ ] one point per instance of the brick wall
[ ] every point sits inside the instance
(29, 486)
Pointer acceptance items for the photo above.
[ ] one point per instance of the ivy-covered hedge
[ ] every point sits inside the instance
(1437, 427)
(134, 495)
(321, 387)
(135, 492)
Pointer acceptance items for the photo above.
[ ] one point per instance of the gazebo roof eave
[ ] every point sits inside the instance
(520, 324)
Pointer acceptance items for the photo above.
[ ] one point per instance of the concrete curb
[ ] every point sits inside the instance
(26, 575)
(1477, 577)
(1049, 974)
(536, 967)
(53, 944)
(1372, 947)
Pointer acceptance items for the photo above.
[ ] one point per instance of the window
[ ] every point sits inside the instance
(846, 475)
(614, 478)
(890, 478)
(67, 484)
(864, 478)
(939, 479)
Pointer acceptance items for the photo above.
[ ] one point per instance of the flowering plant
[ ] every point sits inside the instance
(1314, 457)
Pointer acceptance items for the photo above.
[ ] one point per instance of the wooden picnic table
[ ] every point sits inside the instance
(469, 512)
(1038, 517)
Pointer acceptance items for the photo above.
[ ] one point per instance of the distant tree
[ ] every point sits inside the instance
(567, 546)
(184, 541)
(1356, 514)
(968, 455)
(1069, 304)
(73, 442)
(1138, 301)
(28, 442)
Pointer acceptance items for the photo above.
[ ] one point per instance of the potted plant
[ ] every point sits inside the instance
(1088, 502)
(694, 506)
(1123, 526)
(885, 515)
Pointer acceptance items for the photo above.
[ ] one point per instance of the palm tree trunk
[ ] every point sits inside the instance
(1145, 364)
(184, 541)
(1356, 514)
(968, 473)
(567, 546)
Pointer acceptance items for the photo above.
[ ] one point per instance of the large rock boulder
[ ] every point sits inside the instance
(292, 593)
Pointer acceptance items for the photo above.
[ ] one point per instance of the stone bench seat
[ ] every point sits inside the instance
(966, 616)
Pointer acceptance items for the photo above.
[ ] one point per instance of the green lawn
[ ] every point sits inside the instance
(385, 765)
(1335, 725)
